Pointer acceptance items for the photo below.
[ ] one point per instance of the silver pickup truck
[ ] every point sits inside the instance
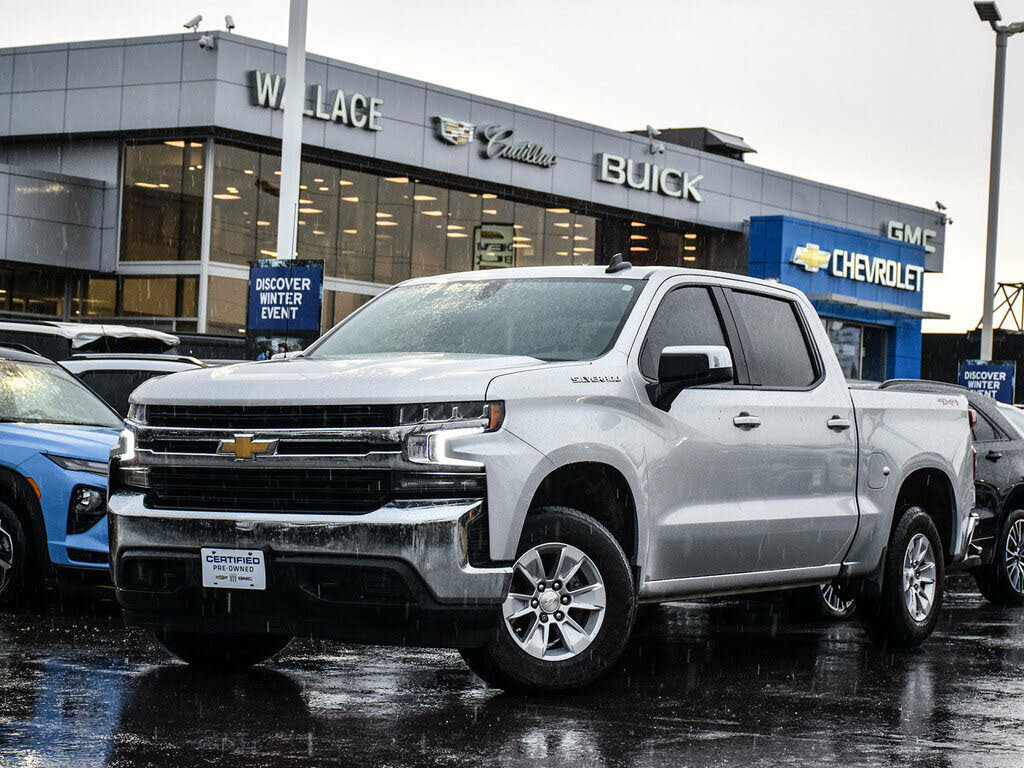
(509, 462)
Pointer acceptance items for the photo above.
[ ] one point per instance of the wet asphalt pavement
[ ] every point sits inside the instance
(702, 684)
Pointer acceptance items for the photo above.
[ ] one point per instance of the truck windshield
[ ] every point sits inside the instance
(545, 318)
(46, 394)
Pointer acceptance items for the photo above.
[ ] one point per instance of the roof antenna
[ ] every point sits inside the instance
(617, 264)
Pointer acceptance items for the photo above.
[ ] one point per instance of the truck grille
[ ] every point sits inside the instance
(286, 446)
(268, 490)
(253, 417)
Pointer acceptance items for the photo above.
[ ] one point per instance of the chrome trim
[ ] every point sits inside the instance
(431, 537)
(376, 460)
(972, 524)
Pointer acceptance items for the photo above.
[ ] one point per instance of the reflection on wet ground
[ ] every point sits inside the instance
(721, 684)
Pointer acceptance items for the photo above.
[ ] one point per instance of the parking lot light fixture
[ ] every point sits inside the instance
(988, 12)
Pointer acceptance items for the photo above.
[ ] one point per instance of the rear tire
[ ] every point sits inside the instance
(824, 602)
(907, 609)
(15, 559)
(570, 608)
(223, 653)
(1002, 581)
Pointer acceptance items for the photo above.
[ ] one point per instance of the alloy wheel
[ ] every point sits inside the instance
(831, 597)
(556, 602)
(1014, 556)
(6, 557)
(919, 577)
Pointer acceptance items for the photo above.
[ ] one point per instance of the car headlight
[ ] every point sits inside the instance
(86, 508)
(125, 471)
(78, 465)
(441, 423)
(452, 415)
(137, 413)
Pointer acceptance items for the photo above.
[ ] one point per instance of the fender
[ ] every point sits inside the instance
(592, 453)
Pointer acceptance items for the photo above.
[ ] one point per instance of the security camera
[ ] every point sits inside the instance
(207, 43)
(193, 23)
(940, 206)
(229, 23)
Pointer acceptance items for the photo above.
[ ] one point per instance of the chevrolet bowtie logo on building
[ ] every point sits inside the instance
(455, 131)
(243, 447)
(811, 257)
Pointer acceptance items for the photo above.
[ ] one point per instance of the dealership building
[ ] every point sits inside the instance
(139, 178)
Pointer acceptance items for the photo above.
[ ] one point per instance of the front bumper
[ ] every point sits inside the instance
(399, 574)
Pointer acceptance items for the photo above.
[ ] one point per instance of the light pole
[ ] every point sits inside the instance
(988, 12)
(291, 133)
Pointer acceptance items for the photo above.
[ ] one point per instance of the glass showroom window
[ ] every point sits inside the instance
(29, 291)
(338, 305)
(378, 228)
(227, 306)
(162, 209)
(862, 349)
(163, 301)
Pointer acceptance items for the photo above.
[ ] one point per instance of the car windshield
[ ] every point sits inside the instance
(545, 318)
(1015, 416)
(44, 393)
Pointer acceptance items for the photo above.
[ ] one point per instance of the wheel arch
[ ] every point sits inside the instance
(932, 489)
(597, 489)
(1014, 499)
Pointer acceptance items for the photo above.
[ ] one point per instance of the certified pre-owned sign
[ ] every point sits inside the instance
(616, 169)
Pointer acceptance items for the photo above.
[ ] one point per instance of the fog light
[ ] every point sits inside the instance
(87, 507)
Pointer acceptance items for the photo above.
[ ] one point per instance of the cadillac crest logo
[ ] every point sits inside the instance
(455, 131)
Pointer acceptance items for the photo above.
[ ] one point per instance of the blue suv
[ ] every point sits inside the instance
(55, 440)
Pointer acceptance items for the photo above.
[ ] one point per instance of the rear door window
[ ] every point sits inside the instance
(779, 356)
(985, 431)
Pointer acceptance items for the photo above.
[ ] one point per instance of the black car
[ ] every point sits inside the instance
(997, 556)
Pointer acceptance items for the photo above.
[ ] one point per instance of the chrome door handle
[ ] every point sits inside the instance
(838, 423)
(746, 421)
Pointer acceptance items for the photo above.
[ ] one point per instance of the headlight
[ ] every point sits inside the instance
(125, 471)
(137, 413)
(444, 415)
(87, 507)
(444, 422)
(78, 465)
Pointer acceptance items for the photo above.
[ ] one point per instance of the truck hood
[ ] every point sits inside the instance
(76, 442)
(390, 378)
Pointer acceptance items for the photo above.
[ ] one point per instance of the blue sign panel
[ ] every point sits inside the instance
(993, 379)
(285, 295)
(821, 259)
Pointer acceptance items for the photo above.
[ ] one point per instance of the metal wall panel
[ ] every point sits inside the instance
(168, 83)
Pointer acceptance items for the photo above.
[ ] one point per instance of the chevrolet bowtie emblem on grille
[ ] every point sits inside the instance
(244, 447)
(811, 257)
(455, 131)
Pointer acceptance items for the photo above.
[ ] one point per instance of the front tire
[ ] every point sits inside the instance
(570, 608)
(907, 609)
(14, 558)
(223, 653)
(1002, 581)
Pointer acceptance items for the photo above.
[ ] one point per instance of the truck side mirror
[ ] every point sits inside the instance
(693, 366)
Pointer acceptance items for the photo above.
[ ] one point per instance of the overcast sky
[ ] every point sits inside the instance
(889, 97)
